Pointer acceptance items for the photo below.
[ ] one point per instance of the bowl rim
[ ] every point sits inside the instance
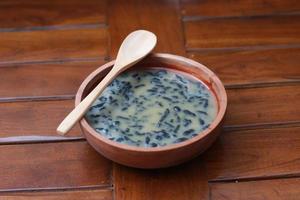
(222, 103)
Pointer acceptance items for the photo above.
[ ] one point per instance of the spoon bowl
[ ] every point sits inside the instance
(134, 48)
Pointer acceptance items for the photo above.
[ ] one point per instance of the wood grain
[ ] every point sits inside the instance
(159, 17)
(44, 79)
(104, 194)
(182, 182)
(34, 118)
(263, 105)
(252, 67)
(221, 8)
(162, 18)
(52, 165)
(254, 153)
(31, 46)
(248, 43)
(19, 13)
(236, 154)
(243, 32)
(279, 189)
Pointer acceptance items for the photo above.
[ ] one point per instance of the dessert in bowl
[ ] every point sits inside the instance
(161, 112)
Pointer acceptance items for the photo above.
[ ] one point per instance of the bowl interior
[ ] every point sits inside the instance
(166, 61)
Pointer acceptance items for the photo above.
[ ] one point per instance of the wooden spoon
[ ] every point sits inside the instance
(135, 47)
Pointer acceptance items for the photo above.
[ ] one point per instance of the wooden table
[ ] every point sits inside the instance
(48, 47)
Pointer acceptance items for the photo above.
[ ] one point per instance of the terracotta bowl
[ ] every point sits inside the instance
(169, 155)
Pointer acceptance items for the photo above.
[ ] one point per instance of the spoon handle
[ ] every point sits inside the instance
(78, 112)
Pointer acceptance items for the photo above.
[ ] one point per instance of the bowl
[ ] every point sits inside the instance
(169, 155)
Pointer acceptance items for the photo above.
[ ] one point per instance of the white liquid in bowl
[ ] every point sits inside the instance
(153, 108)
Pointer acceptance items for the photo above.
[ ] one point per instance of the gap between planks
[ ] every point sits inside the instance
(288, 82)
(243, 48)
(261, 126)
(37, 98)
(55, 27)
(37, 139)
(255, 178)
(53, 61)
(57, 189)
(200, 18)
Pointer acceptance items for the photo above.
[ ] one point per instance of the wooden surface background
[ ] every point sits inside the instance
(48, 47)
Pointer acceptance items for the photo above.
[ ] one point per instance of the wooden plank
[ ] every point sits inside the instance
(279, 189)
(242, 32)
(52, 45)
(252, 67)
(20, 14)
(34, 118)
(44, 79)
(104, 194)
(182, 182)
(163, 19)
(52, 165)
(221, 8)
(160, 17)
(263, 105)
(254, 153)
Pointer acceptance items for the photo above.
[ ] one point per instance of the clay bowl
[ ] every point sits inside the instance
(158, 157)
